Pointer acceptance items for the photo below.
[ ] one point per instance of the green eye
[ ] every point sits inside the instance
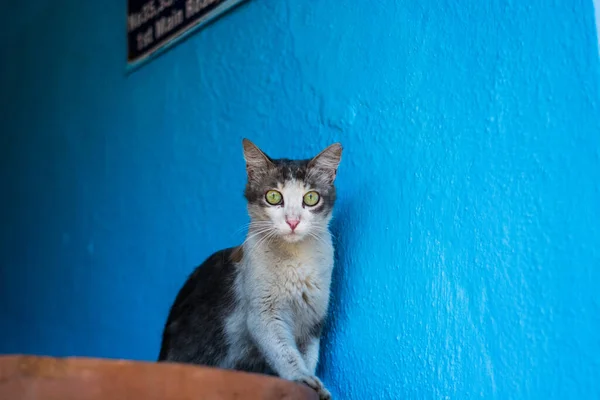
(273, 197)
(311, 198)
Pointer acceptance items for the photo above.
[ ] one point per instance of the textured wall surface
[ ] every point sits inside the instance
(467, 229)
(597, 8)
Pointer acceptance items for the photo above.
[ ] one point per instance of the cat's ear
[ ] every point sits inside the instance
(257, 162)
(326, 162)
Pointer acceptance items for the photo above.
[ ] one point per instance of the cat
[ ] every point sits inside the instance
(260, 307)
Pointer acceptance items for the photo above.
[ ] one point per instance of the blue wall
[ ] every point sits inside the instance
(468, 223)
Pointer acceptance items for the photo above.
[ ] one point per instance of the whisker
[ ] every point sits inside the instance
(272, 237)
(252, 224)
(319, 238)
(261, 240)
(257, 232)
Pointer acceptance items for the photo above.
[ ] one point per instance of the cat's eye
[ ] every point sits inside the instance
(311, 198)
(273, 197)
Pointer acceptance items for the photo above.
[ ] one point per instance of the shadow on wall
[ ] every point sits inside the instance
(344, 237)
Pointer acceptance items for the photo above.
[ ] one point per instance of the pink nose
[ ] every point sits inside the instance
(293, 223)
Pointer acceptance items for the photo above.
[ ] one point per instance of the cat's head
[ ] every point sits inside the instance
(290, 199)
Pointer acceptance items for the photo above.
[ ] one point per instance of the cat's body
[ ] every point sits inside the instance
(216, 292)
(260, 307)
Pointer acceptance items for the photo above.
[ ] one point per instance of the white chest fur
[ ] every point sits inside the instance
(291, 279)
(282, 293)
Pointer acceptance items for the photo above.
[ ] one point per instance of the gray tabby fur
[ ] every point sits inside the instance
(260, 307)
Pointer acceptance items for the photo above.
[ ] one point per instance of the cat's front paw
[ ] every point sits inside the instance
(316, 384)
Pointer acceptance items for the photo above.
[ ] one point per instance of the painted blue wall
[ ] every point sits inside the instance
(468, 223)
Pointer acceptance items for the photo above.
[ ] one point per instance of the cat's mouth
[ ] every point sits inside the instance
(292, 237)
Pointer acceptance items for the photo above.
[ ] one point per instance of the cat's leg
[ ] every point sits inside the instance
(311, 354)
(311, 358)
(273, 336)
(274, 339)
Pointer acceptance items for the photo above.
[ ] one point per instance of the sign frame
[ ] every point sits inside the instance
(143, 23)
